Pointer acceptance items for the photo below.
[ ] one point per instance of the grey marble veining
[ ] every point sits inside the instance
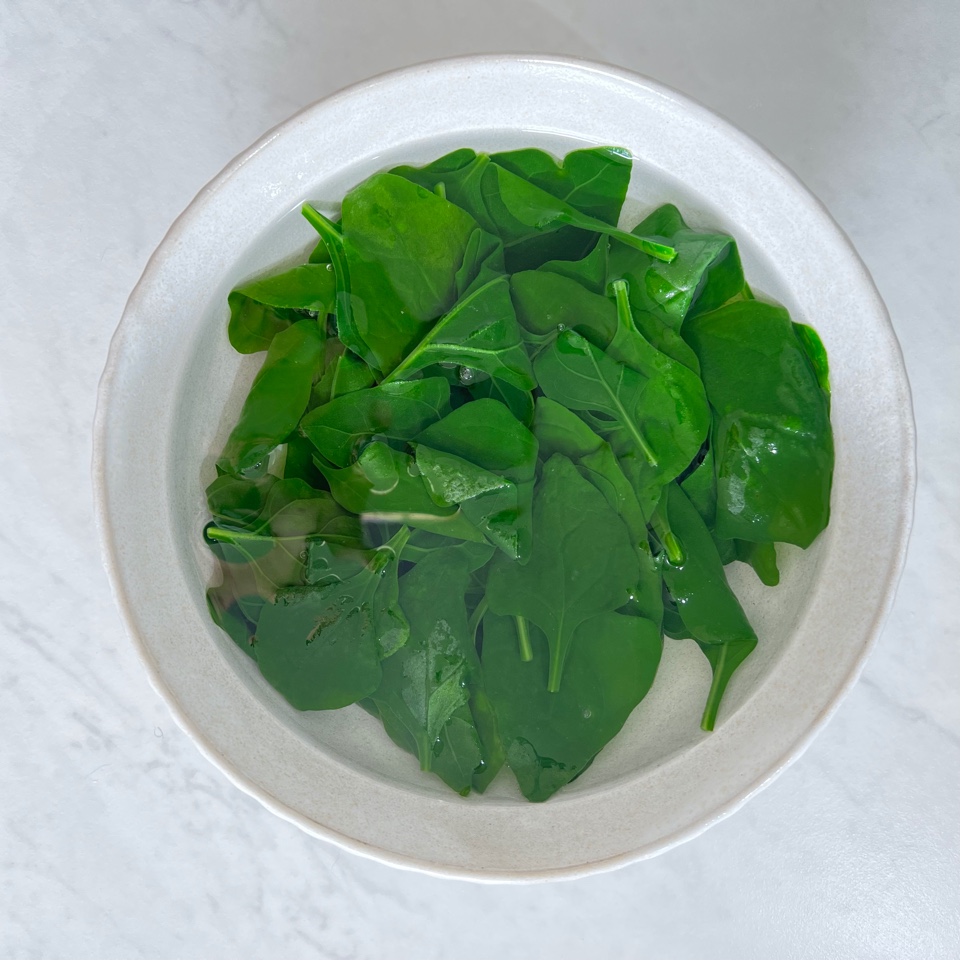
(117, 839)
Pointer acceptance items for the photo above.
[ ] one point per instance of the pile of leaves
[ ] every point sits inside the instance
(498, 448)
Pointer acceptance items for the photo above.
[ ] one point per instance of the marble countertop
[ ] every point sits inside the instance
(117, 839)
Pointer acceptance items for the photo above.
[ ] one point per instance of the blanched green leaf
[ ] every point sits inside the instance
(551, 737)
(423, 697)
(705, 273)
(486, 434)
(417, 236)
(277, 399)
(594, 181)
(261, 309)
(480, 333)
(582, 563)
(398, 410)
(385, 485)
(344, 374)
(321, 646)
(771, 438)
(704, 601)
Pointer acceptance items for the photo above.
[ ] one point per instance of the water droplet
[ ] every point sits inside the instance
(561, 327)
(467, 375)
(587, 713)
(330, 266)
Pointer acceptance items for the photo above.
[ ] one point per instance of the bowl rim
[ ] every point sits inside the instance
(106, 533)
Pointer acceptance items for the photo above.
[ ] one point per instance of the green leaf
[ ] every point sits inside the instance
(321, 646)
(372, 320)
(385, 485)
(560, 431)
(238, 501)
(261, 309)
(345, 374)
(724, 659)
(704, 601)
(418, 237)
(705, 273)
(480, 333)
(651, 409)
(550, 738)
(423, 696)
(771, 436)
(701, 487)
(582, 563)
(486, 434)
(451, 480)
(518, 402)
(398, 411)
(548, 303)
(276, 400)
(521, 210)
(594, 181)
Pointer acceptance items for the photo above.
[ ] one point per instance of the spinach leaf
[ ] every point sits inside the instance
(593, 181)
(385, 485)
(705, 273)
(292, 531)
(481, 333)
(321, 646)
(419, 238)
(520, 210)
(371, 319)
(551, 737)
(423, 698)
(261, 309)
(238, 501)
(225, 610)
(701, 487)
(484, 433)
(277, 399)
(655, 422)
(518, 402)
(397, 410)
(581, 564)
(560, 431)
(771, 438)
(548, 303)
(345, 373)
(704, 601)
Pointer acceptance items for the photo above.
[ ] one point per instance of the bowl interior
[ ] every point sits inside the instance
(173, 388)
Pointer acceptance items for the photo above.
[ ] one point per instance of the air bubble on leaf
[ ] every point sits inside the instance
(587, 713)
(447, 365)
(561, 327)
(330, 266)
(467, 375)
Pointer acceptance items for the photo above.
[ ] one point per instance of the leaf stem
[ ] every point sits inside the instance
(427, 342)
(478, 615)
(668, 539)
(333, 240)
(523, 635)
(717, 688)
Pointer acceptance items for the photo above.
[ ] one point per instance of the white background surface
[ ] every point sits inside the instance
(117, 840)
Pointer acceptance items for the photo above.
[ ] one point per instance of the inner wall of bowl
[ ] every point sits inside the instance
(213, 389)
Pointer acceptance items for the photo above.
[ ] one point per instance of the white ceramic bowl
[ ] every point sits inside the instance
(172, 387)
